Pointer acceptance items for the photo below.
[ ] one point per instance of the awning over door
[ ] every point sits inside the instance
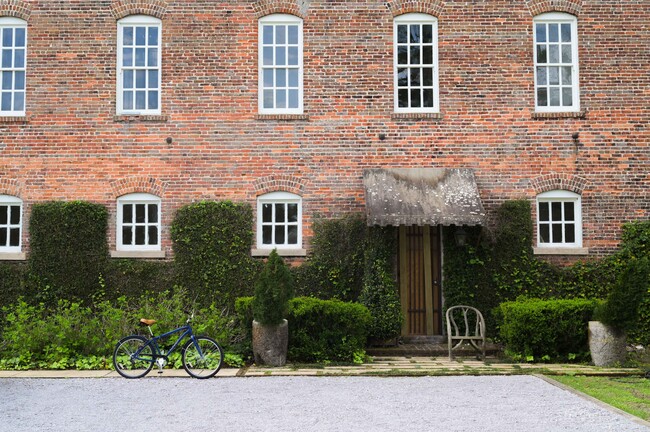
(422, 196)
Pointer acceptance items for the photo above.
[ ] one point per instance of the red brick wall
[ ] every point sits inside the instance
(71, 145)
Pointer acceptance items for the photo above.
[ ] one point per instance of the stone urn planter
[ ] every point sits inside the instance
(270, 343)
(607, 345)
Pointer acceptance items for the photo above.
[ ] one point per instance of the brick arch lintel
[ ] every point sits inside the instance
(557, 181)
(11, 187)
(299, 8)
(124, 8)
(279, 183)
(15, 8)
(140, 184)
(400, 7)
(536, 7)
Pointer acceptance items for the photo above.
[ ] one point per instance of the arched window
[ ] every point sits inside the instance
(11, 223)
(138, 65)
(279, 221)
(13, 62)
(559, 220)
(138, 222)
(415, 41)
(280, 64)
(556, 62)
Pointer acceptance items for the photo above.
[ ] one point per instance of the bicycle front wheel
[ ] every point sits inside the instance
(205, 361)
(132, 357)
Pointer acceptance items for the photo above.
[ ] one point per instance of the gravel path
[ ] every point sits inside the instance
(462, 403)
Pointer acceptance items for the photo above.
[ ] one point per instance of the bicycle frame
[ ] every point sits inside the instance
(157, 353)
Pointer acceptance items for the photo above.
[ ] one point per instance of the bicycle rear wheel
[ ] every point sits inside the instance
(124, 357)
(204, 363)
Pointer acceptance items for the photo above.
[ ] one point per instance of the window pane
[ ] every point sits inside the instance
(541, 54)
(19, 58)
(7, 37)
(153, 100)
(570, 233)
(19, 37)
(281, 78)
(281, 99)
(140, 100)
(128, 100)
(553, 33)
(542, 97)
(127, 57)
(427, 33)
(153, 36)
(153, 235)
(402, 77)
(280, 56)
(3, 237)
(7, 80)
(267, 57)
(14, 237)
(140, 79)
(293, 77)
(555, 96)
(6, 101)
(140, 36)
(402, 34)
(153, 78)
(415, 33)
(415, 55)
(293, 56)
(279, 213)
(292, 210)
(557, 233)
(415, 77)
(140, 56)
(140, 213)
(292, 235)
(543, 212)
(541, 76)
(540, 32)
(6, 58)
(402, 55)
(427, 95)
(556, 211)
(427, 55)
(569, 213)
(19, 101)
(403, 98)
(14, 217)
(267, 234)
(267, 34)
(268, 78)
(127, 81)
(127, 213)
(20, 80)
(293, 99)
(416, 101)
(554, 75)
(140, 235)
(267, 213)
(293, 34)
(427, 76)
(566, 75)
(567, 97)
(554, 54)
(127, 235)
(566, 53)
(127, 36)
(268, 99)
(279, 235)
(544, 233)
(152, 209)
(153, 57)
(4, 217)
(280, 35)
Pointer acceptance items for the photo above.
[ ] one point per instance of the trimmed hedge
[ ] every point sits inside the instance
(319, 330)
(535, 329)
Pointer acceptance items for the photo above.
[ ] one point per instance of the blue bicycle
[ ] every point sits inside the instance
(135, 355)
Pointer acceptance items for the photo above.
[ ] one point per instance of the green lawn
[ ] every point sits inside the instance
(630, 394)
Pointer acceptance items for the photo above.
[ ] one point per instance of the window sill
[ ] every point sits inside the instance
(560, 251)
(13, 119)
(138, 254)
(556, 115)
(287, 117)
(416, 116)
(281, 252)
(131, 118)
(13, 256)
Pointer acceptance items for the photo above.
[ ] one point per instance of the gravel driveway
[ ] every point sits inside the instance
(465, 403)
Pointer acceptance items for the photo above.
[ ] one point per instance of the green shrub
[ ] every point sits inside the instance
(69, 250)
(380, 294)
(134, 277)
(13, 275)
(621, 309)
(537, 329)
(212, 244)
(273, 290)
(319, 330)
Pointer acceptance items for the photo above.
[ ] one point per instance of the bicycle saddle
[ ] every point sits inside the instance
(147, 322)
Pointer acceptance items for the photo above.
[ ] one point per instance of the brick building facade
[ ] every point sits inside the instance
(147, 105)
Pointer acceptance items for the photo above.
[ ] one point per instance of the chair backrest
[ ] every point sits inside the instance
(465, 321)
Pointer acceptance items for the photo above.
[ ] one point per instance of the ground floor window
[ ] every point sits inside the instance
(559, 219)
(279, 221)
(11, 209)
(138, 222)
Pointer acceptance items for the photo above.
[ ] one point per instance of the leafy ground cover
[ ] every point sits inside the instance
(630, 394)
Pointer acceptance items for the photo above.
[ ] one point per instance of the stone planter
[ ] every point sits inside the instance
(607, 345)
(270, 343)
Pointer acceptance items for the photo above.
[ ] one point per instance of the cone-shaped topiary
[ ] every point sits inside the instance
(273, 289)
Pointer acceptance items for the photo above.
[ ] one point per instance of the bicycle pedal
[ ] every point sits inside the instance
(160, 372)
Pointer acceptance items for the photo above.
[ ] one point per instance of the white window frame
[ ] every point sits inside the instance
(269, 84)
(542, 80)
(8, 200)
(13, 23)
(138, 21)
(560, 196)
(416, 19)
(278, 198)
(131, 199)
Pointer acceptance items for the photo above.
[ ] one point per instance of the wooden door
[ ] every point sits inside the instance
(419, 279)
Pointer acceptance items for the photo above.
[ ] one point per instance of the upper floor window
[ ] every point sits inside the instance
(559, 219)
(280, 65)
(138, 65)
(556, 63)
(279, 221)
(416, 63)
(138, 222)
(13, 43)
(11, 209)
